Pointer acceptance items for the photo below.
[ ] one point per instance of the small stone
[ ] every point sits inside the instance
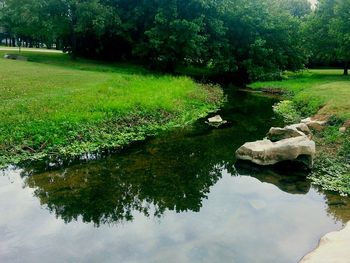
(342, 129)
(215, 119)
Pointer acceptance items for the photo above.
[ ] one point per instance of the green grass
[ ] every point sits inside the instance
(324, 89)
(52, 105)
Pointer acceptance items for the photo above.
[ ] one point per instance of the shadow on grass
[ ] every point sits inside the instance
(64, 60)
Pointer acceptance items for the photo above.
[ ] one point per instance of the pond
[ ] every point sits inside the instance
(179, 197)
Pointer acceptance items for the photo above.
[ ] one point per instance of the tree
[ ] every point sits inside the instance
(76, 22)
(173, 38)
(340, 30)
(249, 38)
(263, 39)
(20, 19)
(328, 32)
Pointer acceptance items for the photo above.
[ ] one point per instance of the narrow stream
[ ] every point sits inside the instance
(175, 198)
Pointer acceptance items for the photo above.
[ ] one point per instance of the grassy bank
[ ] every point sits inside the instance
(52, 106)
(324, 91)
(327, 94)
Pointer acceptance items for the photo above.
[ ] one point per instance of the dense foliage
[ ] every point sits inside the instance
(328, 31)
(252, 38)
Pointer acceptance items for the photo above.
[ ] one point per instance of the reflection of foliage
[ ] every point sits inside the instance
(338, 207)
(174, 172)
(102, 195)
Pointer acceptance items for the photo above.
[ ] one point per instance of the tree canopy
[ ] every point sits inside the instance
(253, 38)
(328, 32)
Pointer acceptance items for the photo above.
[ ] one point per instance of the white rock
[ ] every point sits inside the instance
(333, 248)
(342, 129)
(295, 130)
(314, 124)
(266, 152)
(215, 119)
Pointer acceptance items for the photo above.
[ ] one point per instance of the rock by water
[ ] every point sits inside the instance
(216, 121)
(333, 248)
(295, 130)
(314, 124)
(266, 152)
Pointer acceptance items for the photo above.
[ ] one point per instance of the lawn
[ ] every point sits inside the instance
(327, 89)
(52, 105)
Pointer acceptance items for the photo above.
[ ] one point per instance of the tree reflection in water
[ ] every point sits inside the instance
(113, 189)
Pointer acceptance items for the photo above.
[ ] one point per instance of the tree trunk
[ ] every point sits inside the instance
(73, 53)
(346, 67)
(57, 44)
(74, 46)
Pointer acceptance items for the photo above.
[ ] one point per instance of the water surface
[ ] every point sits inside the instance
(176, 198)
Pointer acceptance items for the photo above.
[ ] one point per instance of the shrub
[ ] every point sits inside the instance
(332, 173)
(345, 150)
(331, 134)
(335, 121)
(287, 111)
(307, 105)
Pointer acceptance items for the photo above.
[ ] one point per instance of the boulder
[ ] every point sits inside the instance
(266, 152)
(333, 248)
(295, 130)
(314, 124)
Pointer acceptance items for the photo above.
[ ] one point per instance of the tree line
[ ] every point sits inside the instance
(255, 39)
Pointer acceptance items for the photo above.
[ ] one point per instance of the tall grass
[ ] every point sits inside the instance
(52, 101)
(323, 88)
